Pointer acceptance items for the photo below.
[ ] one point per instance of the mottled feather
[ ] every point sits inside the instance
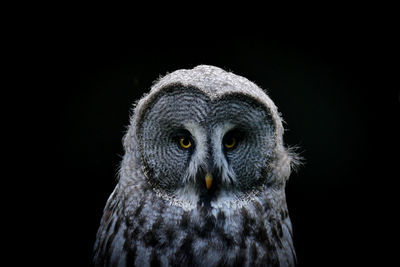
(162, 213)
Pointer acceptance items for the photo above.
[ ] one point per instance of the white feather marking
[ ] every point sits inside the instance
(227, 173)
(200, 153)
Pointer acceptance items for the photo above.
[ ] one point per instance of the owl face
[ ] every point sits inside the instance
(198, 149)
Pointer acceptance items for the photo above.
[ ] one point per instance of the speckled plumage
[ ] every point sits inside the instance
(162, 214)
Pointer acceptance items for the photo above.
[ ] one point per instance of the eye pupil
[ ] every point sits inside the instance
(230, 143)
(185, 142)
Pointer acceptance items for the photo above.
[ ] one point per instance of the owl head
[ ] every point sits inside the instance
(206, 137)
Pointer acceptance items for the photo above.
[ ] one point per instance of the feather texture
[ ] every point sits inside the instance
(162, 214)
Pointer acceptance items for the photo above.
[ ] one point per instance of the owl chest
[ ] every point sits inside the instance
(200, 239)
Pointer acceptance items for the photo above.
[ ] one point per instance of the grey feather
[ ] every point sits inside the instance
(161, 211)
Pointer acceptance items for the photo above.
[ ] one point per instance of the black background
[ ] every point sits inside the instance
(334, 91)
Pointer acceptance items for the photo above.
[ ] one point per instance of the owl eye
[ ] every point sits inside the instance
(232, 138)
(230, 142)
(185, 142)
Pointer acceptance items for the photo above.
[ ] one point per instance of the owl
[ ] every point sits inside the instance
(202, 181)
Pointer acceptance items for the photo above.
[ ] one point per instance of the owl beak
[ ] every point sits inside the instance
(209, 180)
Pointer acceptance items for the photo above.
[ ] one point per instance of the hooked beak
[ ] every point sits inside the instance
(209, 180)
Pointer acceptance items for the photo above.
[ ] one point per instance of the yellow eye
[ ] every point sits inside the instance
(185, 142)
(230, 143)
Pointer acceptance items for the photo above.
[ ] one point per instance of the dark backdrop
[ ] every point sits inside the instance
(333, 92)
